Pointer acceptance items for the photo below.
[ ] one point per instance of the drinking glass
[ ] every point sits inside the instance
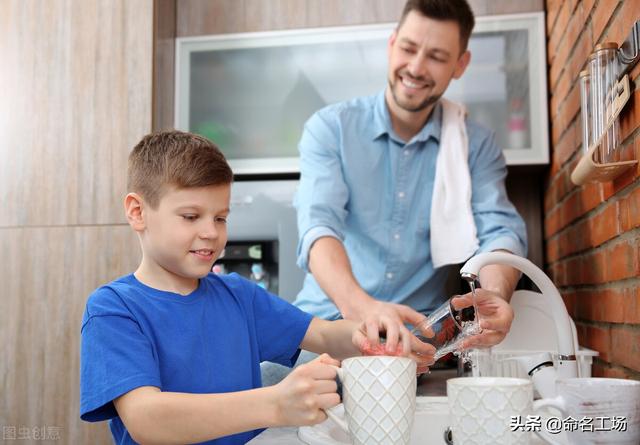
(446, 328)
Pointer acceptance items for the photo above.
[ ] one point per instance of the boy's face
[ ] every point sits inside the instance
(424, 55)
(184, 236)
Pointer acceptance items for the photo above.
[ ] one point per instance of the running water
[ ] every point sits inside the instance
(473, 327)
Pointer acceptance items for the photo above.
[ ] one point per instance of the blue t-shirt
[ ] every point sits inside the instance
(210, 341)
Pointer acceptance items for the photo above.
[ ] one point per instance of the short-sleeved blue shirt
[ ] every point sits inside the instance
(210, 341)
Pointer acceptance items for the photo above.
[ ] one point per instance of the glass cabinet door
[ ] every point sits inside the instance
(251, 93)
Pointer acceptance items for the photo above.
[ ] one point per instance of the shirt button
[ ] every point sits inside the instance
(389, 275)
(406, 152)
(401, 195)
(396, 236)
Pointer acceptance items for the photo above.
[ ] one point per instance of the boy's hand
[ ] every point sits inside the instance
(307, 391)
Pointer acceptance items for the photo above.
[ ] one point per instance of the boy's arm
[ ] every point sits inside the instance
(155, 417)
(337, 338)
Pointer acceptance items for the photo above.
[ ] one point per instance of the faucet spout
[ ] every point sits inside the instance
(567, 365)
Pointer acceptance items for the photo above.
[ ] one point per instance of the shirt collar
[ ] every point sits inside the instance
(382, 121)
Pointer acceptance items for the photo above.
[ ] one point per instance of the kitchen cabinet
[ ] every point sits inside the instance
(252, 92)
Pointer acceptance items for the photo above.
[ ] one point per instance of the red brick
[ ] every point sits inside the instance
(605, 224)
(625, 346)
(632, 305)
(593, 268)
(630, 211)
(569, 299)
(630, 115)
(622, 260)
(586, 7)
(580, 54)
(559, 93)
(597, 338)
(574, 28)
(552, 7)
(558, 65)
(600, 18)
(558, 29)
(552, 222)
(570, 209)
(626, 16)
(590, 197)
(566, 146)
(605, 305)
(571, 106)
(553, 249)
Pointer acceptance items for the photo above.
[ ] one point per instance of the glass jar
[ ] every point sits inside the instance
(603, 72)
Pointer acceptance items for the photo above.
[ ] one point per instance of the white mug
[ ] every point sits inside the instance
(482, 410)
(379, 397)
(601, 410)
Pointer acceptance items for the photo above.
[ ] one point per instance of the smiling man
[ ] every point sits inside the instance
(366, 195)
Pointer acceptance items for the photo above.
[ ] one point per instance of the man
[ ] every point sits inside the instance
(366, 190)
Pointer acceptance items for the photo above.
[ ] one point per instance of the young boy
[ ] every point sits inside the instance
(171, 352)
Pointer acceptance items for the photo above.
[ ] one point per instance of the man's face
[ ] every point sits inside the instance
(424, 55)
(187, 232)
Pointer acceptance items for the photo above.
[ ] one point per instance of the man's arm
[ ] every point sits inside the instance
(329, 263)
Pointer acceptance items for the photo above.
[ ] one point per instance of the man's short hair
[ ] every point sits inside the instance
(458, 11)
(174, 158)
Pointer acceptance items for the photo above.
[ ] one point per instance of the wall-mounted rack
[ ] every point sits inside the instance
(605, 90)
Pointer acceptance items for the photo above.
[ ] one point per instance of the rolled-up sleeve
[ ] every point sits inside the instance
(499, 226)
(322, 195)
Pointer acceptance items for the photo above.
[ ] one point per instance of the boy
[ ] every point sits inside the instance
(171, 352)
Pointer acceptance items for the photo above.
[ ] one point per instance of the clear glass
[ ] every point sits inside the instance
(585, 112)
(597, 100)
(447, 327)
(611, 152)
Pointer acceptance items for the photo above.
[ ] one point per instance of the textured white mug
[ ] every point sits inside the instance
(481, 409)
(612, 407)
(379, 396)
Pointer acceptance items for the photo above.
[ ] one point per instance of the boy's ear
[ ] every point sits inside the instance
(133, 207)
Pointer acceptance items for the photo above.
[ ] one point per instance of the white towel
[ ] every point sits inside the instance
(453, 230)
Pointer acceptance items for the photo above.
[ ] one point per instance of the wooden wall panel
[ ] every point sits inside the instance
(40, 318)
(202, 17)
(76, 96)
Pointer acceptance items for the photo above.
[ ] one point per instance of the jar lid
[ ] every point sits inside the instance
(606, 45)
(584, 73)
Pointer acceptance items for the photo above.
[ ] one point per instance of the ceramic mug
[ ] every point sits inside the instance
(602, 410)
(482, 410)
(379, 397)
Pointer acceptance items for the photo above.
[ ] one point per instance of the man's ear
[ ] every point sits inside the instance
(391, 41)
(462, 64)
(133, 207)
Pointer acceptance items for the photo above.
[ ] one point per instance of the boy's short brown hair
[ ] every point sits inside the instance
(457, 11)
(174, 158)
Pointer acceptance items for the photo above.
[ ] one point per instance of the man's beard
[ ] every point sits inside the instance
(427, 102)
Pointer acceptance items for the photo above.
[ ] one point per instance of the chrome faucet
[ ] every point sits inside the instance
(567, 364)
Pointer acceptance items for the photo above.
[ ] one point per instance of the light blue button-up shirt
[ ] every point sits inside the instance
(363, 185)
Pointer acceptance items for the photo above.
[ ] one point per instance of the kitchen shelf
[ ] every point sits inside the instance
(251, 93)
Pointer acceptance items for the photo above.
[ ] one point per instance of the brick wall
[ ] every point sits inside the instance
(592, 233)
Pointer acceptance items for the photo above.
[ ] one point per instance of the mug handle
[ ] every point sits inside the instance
(556, 402)
(330, 412)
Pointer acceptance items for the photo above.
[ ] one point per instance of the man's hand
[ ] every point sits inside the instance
(495, 315)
